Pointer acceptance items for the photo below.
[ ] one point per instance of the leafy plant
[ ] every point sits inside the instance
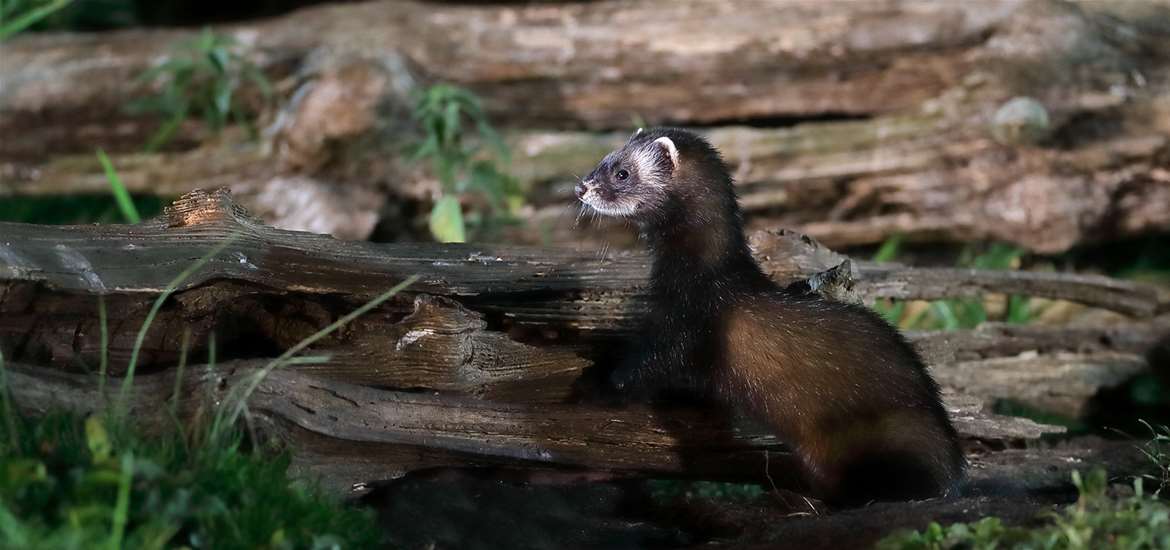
(82, 483)
(18, 15)
(954, 314)
(466, 154)
(201, 77)
(96, 482)
(1137, 521)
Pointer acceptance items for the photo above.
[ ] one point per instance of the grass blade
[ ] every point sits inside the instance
(946, 313)
(122, 507)
(121, 195)
(167, 130)
(238, 403)
(105, 351)
(128, 381)
(30, 18)
(9, 412)
(889, 249)
(182, 367)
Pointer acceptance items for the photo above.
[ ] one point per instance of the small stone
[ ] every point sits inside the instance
(1021, 121)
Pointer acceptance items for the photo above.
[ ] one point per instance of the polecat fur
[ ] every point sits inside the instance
(833, 380)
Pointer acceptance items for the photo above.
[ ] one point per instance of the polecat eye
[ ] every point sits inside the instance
(622, 175)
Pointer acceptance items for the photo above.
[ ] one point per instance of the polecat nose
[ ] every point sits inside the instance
(580, 189)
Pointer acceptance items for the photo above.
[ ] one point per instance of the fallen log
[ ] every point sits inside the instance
(509, 324)
(882, 121)
(351, 434)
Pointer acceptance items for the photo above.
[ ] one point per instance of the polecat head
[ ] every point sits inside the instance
(657, 172)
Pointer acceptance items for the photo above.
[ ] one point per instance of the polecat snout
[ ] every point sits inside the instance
(833, 380)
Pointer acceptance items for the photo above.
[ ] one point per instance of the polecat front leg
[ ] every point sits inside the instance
(661, 366)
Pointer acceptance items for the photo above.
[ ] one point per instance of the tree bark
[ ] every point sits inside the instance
(871, 118)
(351, 434)
(509, 324)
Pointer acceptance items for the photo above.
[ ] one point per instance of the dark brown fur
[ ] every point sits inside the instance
(832, 379)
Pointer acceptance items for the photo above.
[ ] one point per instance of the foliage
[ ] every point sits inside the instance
(73, 482)
(1157, 449)
(466, 155)
(201, 77)
(69, 482)
(1136, 521)
(18, 15)
(954, 314)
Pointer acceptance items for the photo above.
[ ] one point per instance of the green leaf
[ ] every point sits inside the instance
(446, 221)
(219, 58)
(97, 439)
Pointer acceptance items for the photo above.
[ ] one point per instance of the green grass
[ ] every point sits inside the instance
(1097, 520)
(73, 482)
(1157, 449)
(68, 481)
(120, 205)
(202, 77)
(1133, 519)
(955, 314)
(118, 189)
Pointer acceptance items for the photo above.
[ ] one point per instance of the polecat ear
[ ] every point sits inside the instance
(668, 145)
(635, 134)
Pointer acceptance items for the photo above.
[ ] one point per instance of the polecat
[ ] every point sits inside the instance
(833, 380)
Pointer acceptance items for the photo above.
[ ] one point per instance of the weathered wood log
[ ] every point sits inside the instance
(510, 324)
(385, 434)
(924, 81)
(562, 61)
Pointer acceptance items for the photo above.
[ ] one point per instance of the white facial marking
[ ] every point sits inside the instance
(645, 163)
(668, 144)
(617, 208)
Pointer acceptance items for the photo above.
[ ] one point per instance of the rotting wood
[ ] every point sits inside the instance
(509, 324)
(388, 434)
(582, 63)
(917, 84)
(544, 284)
(1060, 383)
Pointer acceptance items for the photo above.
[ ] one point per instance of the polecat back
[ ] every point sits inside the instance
(833, 380)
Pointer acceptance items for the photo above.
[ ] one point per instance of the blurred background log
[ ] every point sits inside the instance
(848, 121)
